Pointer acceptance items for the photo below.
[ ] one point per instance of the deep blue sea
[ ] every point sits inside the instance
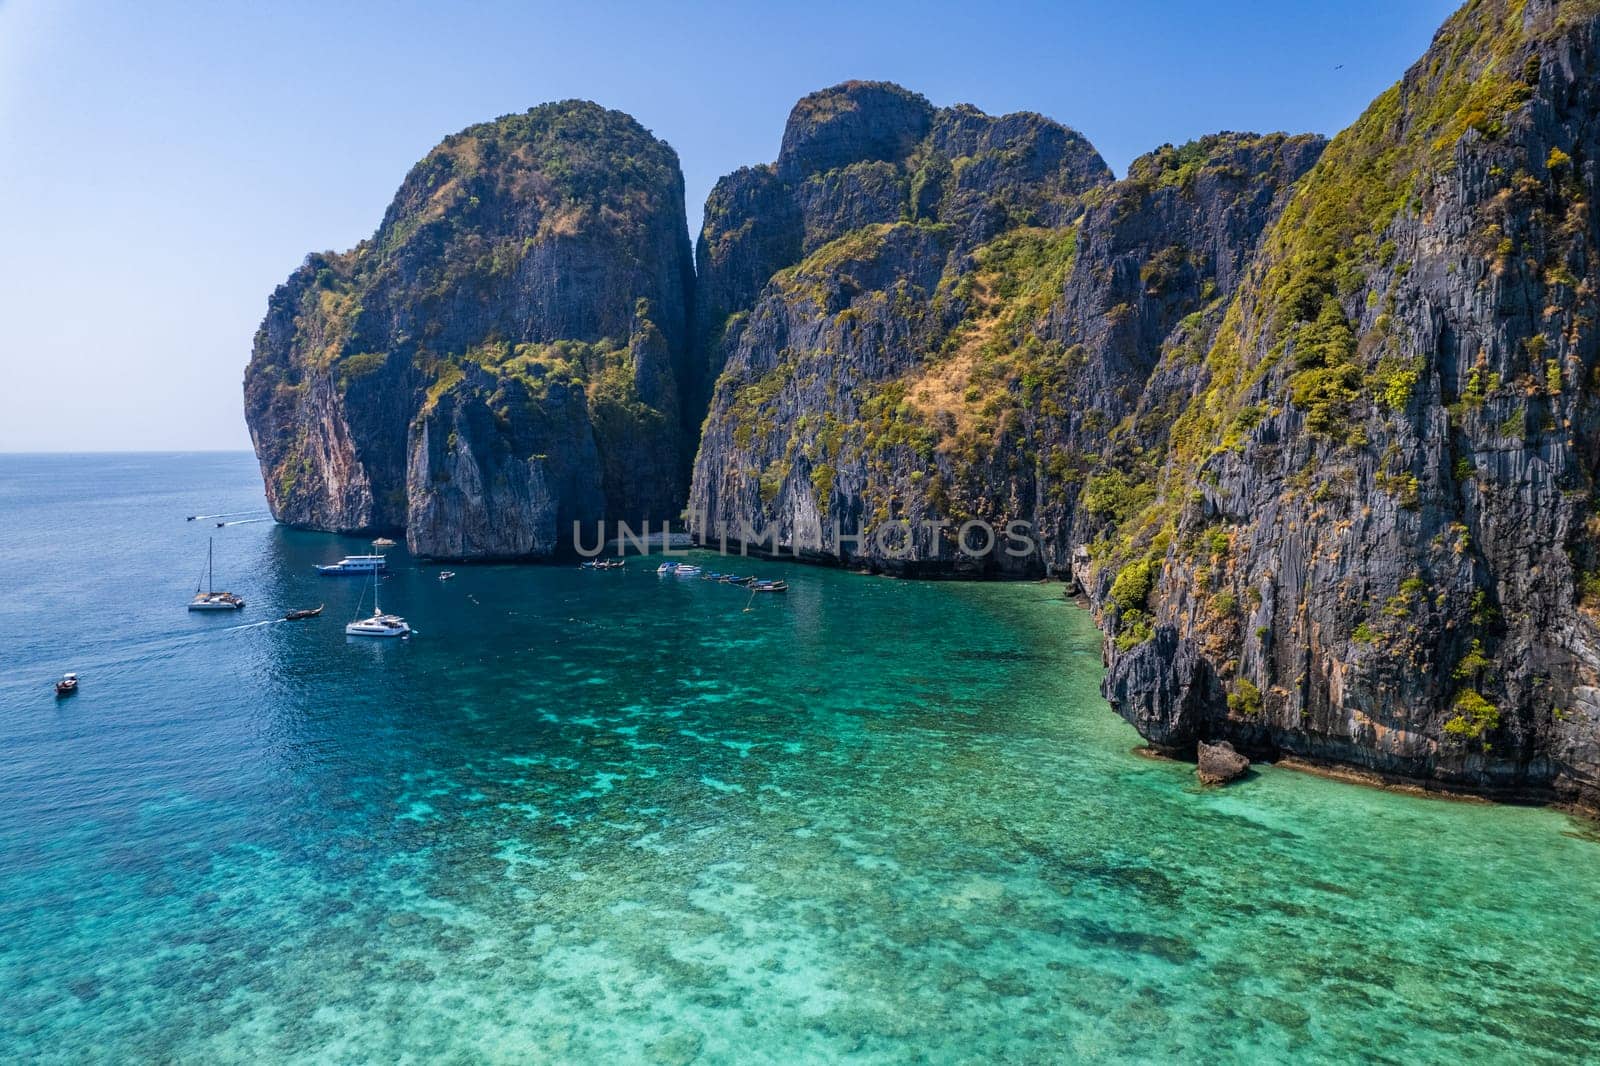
(609, 817)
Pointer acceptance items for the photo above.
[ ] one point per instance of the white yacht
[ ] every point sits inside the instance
(210, 599)
(380, 624)
(354, 564)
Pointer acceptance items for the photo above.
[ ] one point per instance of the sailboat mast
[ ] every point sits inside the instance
(376, 610)
(209, 543)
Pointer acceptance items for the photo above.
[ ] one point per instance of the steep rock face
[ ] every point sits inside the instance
(501, 358)
(967, 363)
(867, 153)
(1374, 539)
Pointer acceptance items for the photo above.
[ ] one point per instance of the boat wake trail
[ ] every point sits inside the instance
(226, 514)
(111, 663)
(244, 522)
(254, 625)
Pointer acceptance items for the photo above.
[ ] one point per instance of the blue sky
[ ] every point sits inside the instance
(162, 168)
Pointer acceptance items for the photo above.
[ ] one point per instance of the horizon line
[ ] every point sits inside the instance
(129, 451)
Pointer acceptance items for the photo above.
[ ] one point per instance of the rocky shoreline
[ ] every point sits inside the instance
(1312, 424)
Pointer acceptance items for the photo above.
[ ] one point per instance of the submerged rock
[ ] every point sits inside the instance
(1219, 763)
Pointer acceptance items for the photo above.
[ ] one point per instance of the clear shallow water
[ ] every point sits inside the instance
(607, 817)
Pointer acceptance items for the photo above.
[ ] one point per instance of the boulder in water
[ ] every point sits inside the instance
(1219, 764)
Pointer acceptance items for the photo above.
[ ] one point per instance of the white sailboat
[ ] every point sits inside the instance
(380, 624)
(210, 599)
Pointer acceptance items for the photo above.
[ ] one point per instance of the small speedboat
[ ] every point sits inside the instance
(667, 568)
(733, 579)
(306, 612)
(67, 686)
(383, 542)
(687, 570)
(778, 585)
(446, 575)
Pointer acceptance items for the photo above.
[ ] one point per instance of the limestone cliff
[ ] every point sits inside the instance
(963, 357)
(501, 358)
(1315, 425)
(1316, 429)
(870, 153)
(1373, 539)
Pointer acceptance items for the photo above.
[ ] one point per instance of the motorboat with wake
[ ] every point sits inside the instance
(308, 612)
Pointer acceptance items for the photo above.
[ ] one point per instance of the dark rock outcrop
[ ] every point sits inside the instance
(1315, 426)
(869, 153)
(1218, 763)
(1373, 538)
(968, 364)
(502, 358)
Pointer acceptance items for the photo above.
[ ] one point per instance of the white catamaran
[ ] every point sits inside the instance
(210, 599)
(380, 624)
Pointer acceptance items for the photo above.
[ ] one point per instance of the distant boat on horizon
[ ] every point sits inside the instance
(210, 599)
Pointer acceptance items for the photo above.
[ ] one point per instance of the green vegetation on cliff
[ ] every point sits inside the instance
(535, 270)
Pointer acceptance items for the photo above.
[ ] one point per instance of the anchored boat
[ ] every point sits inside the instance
(210, 599)
(380, 624)
(353, 564)
(67, 686)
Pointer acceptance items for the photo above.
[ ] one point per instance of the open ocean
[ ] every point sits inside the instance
(609, 817)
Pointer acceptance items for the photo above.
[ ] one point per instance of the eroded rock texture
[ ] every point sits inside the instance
(956, 345)
(502, 358)
(1313, 424)
(1372, 540)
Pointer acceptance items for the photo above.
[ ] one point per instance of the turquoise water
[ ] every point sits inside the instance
(591, 817)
